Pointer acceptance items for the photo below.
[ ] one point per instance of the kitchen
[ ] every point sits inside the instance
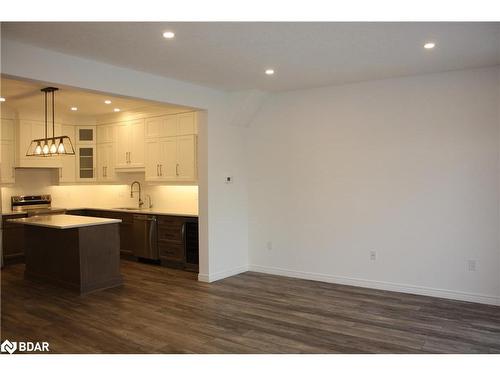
(123, 159)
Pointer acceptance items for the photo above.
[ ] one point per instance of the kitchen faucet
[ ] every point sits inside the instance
(139, 191)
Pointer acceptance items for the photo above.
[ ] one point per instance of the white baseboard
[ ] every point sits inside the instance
(209, 278)
(383, 285)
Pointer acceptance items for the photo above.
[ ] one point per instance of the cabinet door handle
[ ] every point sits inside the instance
(177, 169)
(14, 172)
(157, 170)
(106, 171)
(161, 169)
(103, 174)
(129, 156)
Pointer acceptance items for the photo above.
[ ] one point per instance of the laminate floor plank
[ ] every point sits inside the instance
(161, 310)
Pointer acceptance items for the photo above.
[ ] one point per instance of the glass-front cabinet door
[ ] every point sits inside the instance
(86, 163)
(86, 134)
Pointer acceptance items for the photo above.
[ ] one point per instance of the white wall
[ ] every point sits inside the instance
(222, 208)
(406, 167)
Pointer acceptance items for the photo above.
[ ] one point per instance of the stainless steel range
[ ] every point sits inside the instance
(35, 205)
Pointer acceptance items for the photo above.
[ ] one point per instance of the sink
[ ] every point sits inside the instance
(128, 208)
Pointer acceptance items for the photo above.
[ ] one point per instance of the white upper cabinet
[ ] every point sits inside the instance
(7, 152)
(86, 158)
(130, 144)
(186, 158)
(171, 159)
(106, 142)
(86, 135)
(106, 162)
(86, 163)
(7, 162)
(171, 125)
(152, 127)
(152, 160)
(171, 146)
(105, 133)
(7, 130)
(67, 171)
(186, 123)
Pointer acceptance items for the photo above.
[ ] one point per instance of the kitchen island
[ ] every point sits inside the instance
(75, 252)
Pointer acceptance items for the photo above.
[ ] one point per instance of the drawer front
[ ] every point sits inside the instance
(171, 251)
(171, 229)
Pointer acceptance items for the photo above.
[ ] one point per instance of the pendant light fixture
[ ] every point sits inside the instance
(50, 146)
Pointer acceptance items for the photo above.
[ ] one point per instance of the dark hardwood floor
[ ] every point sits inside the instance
(160, 310)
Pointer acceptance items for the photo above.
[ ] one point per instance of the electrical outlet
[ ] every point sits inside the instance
(471, 265)
(373, 255)
(269, 245)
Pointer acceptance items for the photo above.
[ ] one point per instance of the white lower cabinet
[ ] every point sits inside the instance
(106, 162)
(171, 159)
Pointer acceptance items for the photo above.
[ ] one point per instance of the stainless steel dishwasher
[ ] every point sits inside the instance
(145, 237)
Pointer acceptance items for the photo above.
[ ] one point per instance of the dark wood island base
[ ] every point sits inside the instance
(84, 259)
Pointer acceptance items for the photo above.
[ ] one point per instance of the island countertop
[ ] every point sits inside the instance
(64, 221)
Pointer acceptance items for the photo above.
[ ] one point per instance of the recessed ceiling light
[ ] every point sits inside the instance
(168, 34)
(116, 109)
(429, 45)
(2, 99)
(107, 101)
(269, 72)
(74, 108)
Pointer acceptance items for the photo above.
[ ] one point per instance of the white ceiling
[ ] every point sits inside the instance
(234, 56)
(26, 96)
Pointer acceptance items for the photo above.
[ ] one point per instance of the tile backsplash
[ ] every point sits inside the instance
(175, 198)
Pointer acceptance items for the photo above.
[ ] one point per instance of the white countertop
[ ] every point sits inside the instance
(64, 221)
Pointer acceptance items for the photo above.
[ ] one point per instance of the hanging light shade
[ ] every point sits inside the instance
(50, 146)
